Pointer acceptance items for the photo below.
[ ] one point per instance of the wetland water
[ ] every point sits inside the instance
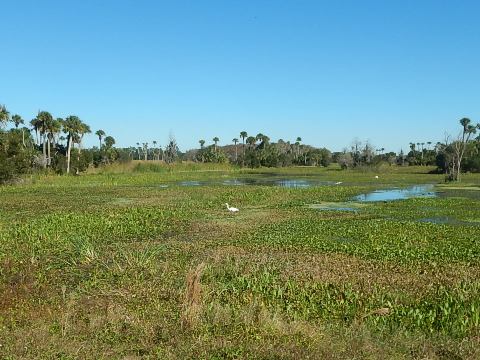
(417, 191)
(292, 183)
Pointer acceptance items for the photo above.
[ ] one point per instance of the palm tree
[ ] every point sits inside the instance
(45, 119)
(35, 123)
(243, 135)
(138, 150)
(461, 145)
(202, 144)
(297, 144)
(84, 129)
(17, 121)
(101, 134)
(235, 142)
(216, 140)
(109, 142)
(251, 141)
(154, 142)
(4, 116)
(53, 129)
(145, 151)
(71, 127)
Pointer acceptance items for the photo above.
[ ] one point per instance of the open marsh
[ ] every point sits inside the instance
(114, 265)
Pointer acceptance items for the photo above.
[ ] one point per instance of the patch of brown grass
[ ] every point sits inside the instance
(338, 269)
(193, 296)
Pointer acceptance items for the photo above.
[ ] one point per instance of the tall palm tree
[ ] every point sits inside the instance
(17, 121)
(235, 142)
(216, 140)
(297, 144)
(35, 123)
(101, 134)
(45, 119)
(72, 126)
(4, 116)
(53, 129)
(84, 129)
(243, 135)
(202, 143)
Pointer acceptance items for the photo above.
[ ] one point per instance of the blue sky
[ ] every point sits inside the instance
(329, 71)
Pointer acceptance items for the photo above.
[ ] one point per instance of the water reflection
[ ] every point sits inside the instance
(277, 182)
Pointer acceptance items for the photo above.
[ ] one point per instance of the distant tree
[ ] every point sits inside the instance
(243, 136)
(215, 141)
(101, 134)
(145, 151)
(251, 141)
(17, 121)
(202, 143)
(72, 126)
(346, 160)
(154, 142)
(297, 145)
(235, 142)
(53, 127)
(4, 116)
(460, 145)
(171, 151)
(45, 119)
(35, 123)
(109, 142)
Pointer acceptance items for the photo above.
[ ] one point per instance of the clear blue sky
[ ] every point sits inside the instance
(391, 71)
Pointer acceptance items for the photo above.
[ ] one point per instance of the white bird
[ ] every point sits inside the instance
(232, 209)
(339, 182)
(376, 177)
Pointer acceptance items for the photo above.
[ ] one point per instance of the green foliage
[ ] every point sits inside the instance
(211, 154)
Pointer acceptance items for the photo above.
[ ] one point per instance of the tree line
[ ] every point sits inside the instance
(48, 143)
(56, 144)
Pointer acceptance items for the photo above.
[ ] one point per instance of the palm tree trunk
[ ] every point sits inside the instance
(243, 158)
(44, 152)
(69, 149)
(23, 137)
(49, 159)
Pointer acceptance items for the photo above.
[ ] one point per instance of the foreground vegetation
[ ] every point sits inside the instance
(116, 265)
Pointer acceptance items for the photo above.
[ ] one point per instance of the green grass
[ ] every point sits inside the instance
(112, 265)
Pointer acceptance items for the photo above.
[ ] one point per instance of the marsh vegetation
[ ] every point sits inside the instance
(112, 265)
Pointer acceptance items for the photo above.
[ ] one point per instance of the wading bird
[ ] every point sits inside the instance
(232, 209)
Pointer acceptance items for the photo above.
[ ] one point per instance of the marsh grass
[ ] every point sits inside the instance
(110, 265)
